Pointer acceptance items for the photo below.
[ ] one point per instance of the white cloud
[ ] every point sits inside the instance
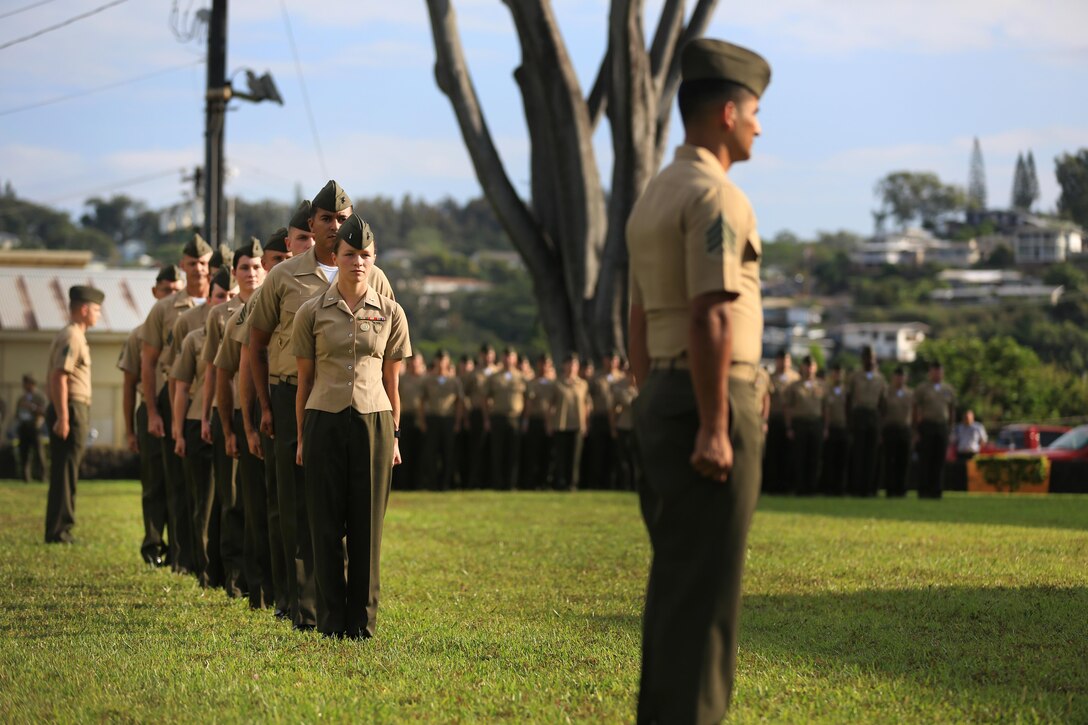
(845, 26)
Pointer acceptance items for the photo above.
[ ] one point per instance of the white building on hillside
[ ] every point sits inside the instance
(1045, 241)
(913, 248)
(890, 340)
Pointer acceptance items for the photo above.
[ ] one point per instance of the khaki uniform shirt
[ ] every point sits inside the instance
(187, 321)
(691, 232)
(934, 402)
(835, 406)
(411, 394)
(805, 399)
(229, 356)
(158, 329)
(537, 395)
(440, 395)
(624, 393)
(286, 288)
(188, 368)
(506, 391)
(866, 390)
(780, 383)
(348, 347)
(129, 360)
(216, 325)
(600, 390)
(71, 353)
(898, 406)
(476, 387)
(569, 403)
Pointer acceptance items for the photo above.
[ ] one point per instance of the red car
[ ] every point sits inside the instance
(1070, 446)
(1019, 437)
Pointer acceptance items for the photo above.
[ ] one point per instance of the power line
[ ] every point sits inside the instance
(31, 6)
(60, 25)
(99, 89)
(116, 185)
(305, 94)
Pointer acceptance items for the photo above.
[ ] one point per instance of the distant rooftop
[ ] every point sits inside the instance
(35, 298)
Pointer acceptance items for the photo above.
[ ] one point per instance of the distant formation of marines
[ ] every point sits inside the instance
(830, 436)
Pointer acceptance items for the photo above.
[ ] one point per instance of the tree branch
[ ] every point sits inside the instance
(670, 82)
(525, 231)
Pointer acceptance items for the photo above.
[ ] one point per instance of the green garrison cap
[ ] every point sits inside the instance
(331, 198)
(277, 241)
(252, 248)
(169, 273)
(301, 218)
(707, 59)
(222, 257)
(356, 232)
(197, 247)
(224, 279)
(80, 293)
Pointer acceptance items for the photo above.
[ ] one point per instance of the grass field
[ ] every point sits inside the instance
(525, 608)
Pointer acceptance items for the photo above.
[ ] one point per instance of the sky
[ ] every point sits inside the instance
(859, 89)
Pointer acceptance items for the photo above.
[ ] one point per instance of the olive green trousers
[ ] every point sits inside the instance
(698, 530)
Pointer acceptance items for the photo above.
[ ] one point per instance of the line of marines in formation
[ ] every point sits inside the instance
(223, 495)
(830, 436)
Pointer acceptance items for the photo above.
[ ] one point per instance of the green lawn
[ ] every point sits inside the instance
(525, 608)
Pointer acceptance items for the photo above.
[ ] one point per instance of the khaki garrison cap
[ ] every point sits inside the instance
(169, 273)
(197, 247)
(80, 293)
(331, 198)
(277, 241)
(707, 59)
(356, 232)
(301, 218)
(224, 279)
(252, 248)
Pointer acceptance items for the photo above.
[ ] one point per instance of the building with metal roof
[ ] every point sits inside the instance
(34, 306)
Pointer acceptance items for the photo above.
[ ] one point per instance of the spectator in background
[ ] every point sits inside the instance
(30, 414)
(968, 436)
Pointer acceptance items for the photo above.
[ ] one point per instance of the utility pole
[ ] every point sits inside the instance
(218, 94)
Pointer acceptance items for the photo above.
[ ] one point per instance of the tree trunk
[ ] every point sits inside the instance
(572, 241)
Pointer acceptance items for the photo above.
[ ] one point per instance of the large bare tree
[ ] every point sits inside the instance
(570, 233)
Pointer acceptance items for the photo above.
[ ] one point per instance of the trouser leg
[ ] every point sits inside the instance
(698, 530)
(177, 499)
(864, 450)
(292, 487)
(777, 473)
(932, 442)
(807, 442)
(371, 469)
(203, 507)
(60, 508)
(153, 490)
(504, 452)
(275, 524)
(232, 522)
(256, 554)
(896, 459)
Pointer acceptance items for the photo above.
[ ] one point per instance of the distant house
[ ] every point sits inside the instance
(913, 248)
(988, 286)
(436, 290)
(890, 340)
(1039, 240)
(507, 258)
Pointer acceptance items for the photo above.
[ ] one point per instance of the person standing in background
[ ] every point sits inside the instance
(29, 415)
(895, 430)
(934, 410)
(153, 548)
(68, 415)
(777, 473)
(805, 427)
(865, 392)
(836, 436)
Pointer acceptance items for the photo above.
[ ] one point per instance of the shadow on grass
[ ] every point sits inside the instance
(1065, 512)
(989, 645)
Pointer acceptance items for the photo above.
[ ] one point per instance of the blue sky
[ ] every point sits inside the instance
(860, 89)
